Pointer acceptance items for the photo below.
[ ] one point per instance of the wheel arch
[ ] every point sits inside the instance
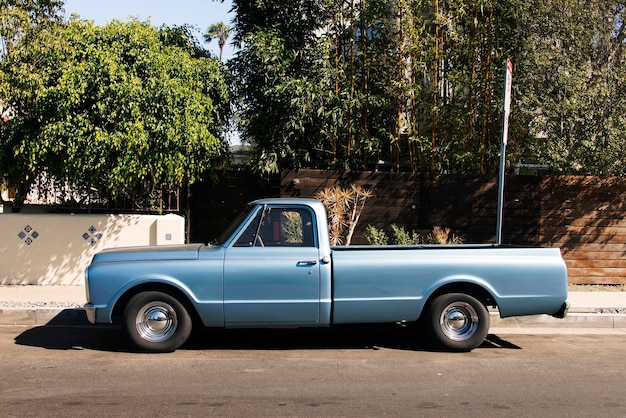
(472, 289)
(122, 301)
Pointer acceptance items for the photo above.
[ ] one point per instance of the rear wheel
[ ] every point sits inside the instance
(457, 322)
(157, 322)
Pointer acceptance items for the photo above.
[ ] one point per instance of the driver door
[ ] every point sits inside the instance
(271, 271)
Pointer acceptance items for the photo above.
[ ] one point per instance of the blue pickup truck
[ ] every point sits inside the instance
(274, 267)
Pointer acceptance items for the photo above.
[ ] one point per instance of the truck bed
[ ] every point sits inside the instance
(391, 283)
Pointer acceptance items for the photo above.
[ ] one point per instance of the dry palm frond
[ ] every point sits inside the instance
(344, 207)
(335, 238)
(440, 235)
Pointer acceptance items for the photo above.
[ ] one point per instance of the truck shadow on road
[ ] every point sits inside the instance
(71, 331)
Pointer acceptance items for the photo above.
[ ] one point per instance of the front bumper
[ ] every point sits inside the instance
(90, 310)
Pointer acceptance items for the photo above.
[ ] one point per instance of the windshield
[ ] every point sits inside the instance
(233, 226)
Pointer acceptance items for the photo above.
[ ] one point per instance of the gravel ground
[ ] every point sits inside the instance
(611, 310)
(63, 305)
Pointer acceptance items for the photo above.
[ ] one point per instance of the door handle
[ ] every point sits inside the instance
(307, 262)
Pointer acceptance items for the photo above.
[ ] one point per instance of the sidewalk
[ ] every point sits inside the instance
(597, 311)
(37, 305)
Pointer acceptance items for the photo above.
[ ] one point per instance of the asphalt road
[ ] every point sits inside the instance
(59, 370)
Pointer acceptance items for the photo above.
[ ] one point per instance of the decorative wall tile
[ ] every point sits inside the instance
(92, 236)
(28, 234)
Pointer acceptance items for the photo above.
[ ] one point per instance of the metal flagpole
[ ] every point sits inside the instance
(508, 76)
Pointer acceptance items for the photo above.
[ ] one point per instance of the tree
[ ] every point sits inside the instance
(18, 17)
(571, 82)
(279, 78)
(417, 84)
(218, 31)
(110, 107)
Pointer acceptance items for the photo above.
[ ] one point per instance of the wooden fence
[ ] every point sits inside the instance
(584, 216)
(215, 202)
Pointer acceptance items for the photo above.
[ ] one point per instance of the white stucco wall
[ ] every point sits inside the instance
(45, 249)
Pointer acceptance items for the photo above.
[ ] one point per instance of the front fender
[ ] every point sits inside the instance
(197, 282)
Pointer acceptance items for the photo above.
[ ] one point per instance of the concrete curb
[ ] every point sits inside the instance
(573, 320)
(30, 316)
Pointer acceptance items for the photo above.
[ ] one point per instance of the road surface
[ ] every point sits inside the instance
(59, 370)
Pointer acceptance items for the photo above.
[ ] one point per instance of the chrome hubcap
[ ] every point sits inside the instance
(459, 321)
(156, 322)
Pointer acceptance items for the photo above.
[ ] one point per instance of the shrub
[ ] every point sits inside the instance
(375, 236)
(402, 237)
(399, 236)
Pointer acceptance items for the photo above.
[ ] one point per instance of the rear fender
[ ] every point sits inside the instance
(468, 285)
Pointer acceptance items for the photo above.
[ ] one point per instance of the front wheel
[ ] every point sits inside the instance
(156, 322)
(458, 322)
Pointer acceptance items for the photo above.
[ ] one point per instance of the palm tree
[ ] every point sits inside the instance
(218, 31)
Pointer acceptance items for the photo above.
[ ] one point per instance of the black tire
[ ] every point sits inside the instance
(457, 322)
(156, 322)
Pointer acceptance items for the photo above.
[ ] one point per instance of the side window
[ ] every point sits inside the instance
(279, 227)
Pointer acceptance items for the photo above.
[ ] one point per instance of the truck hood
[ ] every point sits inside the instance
(161, 252)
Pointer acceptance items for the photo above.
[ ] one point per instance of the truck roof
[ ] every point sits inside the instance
(288, 201)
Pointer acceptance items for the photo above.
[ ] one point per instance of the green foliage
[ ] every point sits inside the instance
(278, 80)
(111, 107)
(400, 236)
(417, 85)
(20, 17)
(375, 236)
(571, 84)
